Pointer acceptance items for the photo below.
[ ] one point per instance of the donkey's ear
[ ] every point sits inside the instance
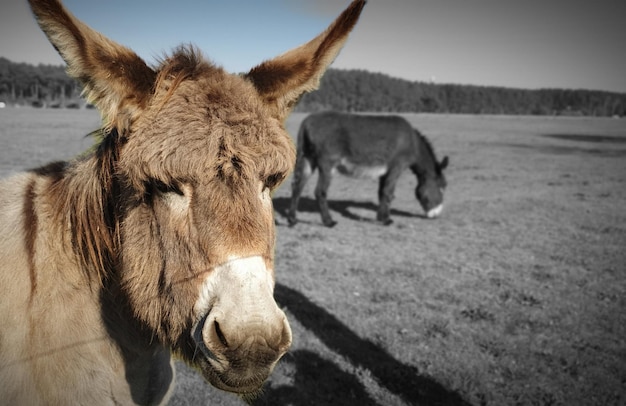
(114, 78)
(444, 163)
(282, 80)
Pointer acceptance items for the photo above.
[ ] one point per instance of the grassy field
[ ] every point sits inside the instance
(516, 295)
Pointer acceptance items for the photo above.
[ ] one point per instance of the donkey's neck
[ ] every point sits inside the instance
(425, 162)
(85, 204)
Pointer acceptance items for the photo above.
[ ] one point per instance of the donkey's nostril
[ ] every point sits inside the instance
(220, 335)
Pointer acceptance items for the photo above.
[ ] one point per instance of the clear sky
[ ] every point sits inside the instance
(514, 43)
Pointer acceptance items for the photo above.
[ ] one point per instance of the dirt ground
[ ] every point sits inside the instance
(516, 295)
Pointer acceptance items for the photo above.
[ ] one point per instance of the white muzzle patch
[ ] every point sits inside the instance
(236, 308)
(434, 212)
(238, 278)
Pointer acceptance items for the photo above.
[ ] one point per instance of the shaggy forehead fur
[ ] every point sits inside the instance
(227, 129)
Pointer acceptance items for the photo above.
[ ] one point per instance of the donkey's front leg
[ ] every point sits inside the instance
(386, 188)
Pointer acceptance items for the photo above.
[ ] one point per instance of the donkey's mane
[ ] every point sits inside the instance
(87, 198)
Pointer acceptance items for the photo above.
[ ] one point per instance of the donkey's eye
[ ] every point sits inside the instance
(157, 187)
(168, 188)
(175, 196)
(273, 180)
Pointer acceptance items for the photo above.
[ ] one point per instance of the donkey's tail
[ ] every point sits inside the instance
(303, 142)
(304, 150)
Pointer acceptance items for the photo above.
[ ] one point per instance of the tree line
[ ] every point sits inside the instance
(349, 90)
(360, 90)
(40, 85)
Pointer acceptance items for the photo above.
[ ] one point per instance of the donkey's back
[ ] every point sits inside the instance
(355, 141)
(14, 285)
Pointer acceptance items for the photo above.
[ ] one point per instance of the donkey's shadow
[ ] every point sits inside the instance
(321, 382)
(316, 382)
(343, 207)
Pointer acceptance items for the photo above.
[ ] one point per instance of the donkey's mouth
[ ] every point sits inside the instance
(229, 381)
(199, 342)
(249, 390)
(229, 371)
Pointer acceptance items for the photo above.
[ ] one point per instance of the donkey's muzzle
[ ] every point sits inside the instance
(241, 362)
(243, 333)
(434, 212)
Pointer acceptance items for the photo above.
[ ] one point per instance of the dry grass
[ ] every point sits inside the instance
(515, 296)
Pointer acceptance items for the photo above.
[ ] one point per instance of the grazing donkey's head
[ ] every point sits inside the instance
(175, 209)
(431, 179)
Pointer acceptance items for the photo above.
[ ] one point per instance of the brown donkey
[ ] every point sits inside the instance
(160, 241)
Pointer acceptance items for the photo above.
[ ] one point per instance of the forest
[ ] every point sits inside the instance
(359, 90)
(38, 86)
(349, 90)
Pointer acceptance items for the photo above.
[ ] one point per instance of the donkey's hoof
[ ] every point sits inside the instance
(330, 224)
